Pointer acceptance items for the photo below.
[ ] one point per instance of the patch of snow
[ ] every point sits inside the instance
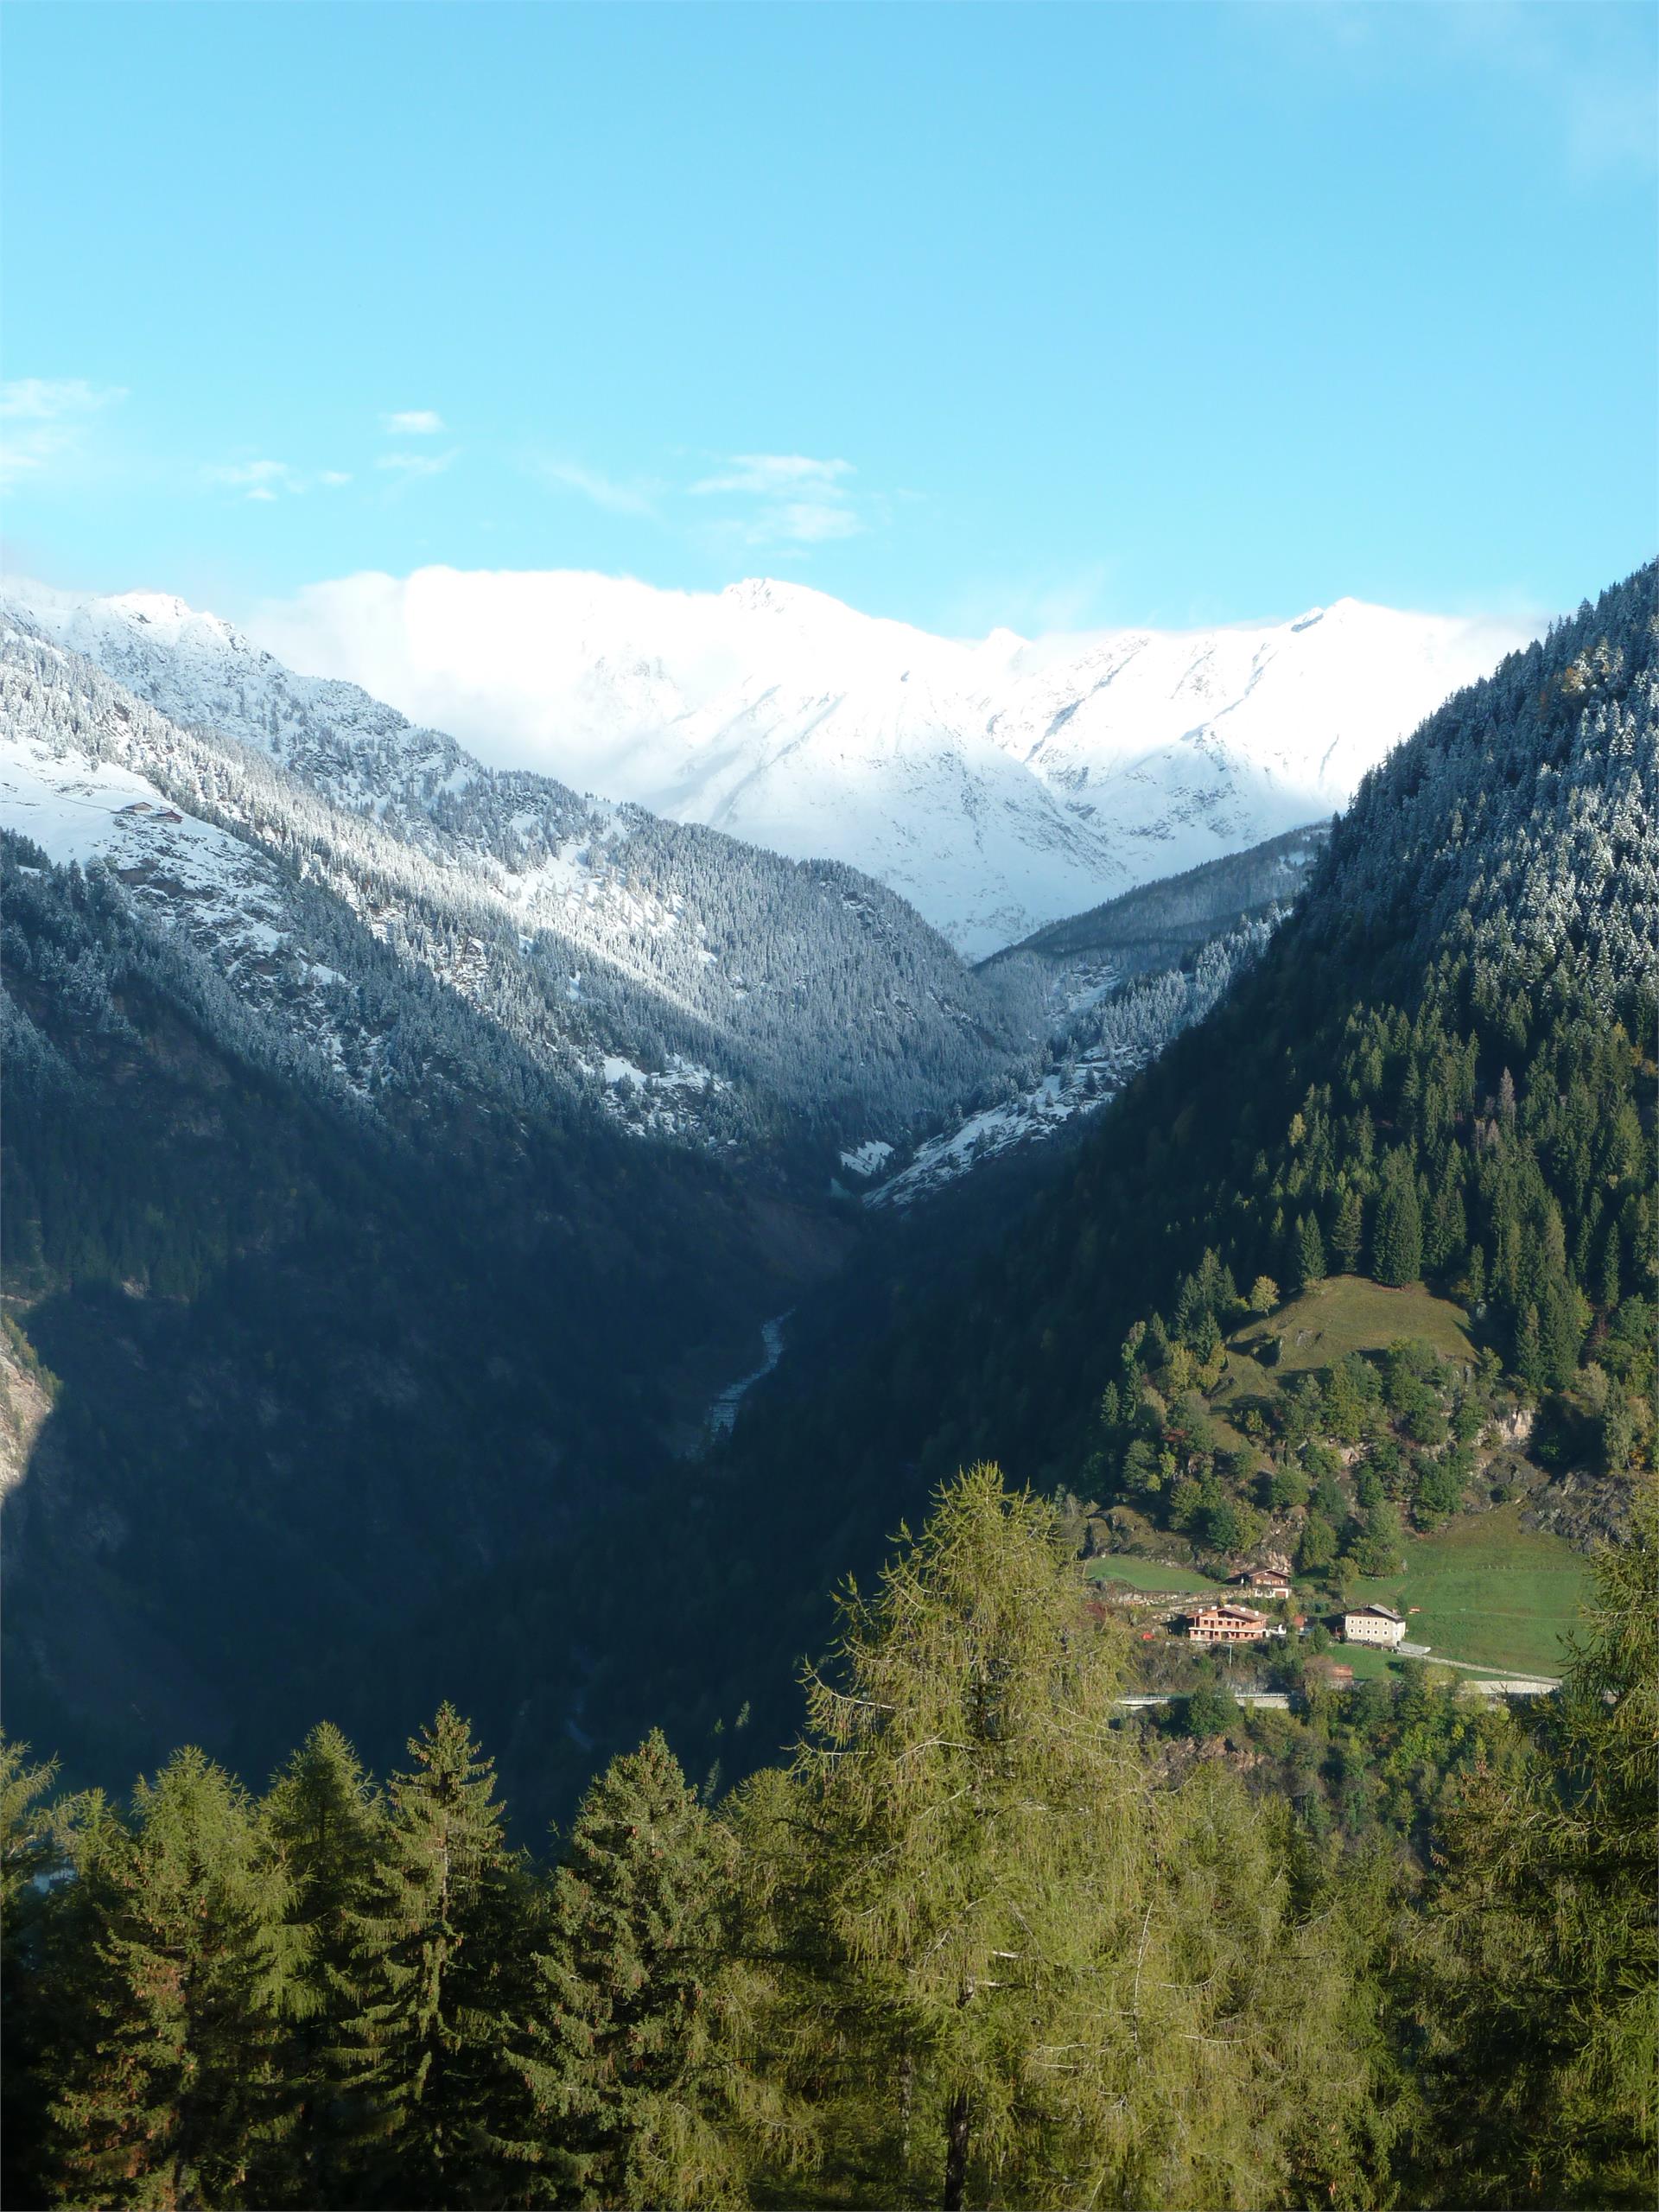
(867, 1159)
(1039, 1112)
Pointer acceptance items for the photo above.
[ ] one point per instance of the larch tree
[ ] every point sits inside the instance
(1537, 1967)
(322, 1822)
(994, 1982)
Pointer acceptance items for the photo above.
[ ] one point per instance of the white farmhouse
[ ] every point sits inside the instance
(1373, 1625)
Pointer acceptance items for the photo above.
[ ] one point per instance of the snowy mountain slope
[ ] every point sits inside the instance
(225, 901)
(1107, 1018)
(998, 784)
(1156, 927)
(1115, 985)
(684, 984)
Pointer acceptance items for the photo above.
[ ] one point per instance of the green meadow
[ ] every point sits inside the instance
(1488, 1592)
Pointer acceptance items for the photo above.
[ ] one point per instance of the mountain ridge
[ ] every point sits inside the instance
(998, 786)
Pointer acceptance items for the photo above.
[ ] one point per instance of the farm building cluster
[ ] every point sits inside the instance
(1235, 1614)
(1229, 1621)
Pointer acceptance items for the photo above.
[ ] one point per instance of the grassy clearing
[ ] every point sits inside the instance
(1491, 1591)
(1368, 1665)
(1343, 1315)
(1148, 1574)
(1242, 1379)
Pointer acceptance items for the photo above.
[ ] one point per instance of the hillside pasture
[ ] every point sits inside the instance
(1344, 1314)
(1490, 1593)
(1149, 1574)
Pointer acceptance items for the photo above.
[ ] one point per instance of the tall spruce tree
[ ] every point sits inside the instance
(170, 2078)
(436, 1952)
(625, 2063)
(1348, 1233)
(1397, 1240)
(1310, 1249)
(322, 1821)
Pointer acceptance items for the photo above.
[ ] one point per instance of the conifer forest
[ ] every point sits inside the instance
(978, 1939)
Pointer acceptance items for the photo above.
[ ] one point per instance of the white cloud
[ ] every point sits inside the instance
(409, 465)
(808, 522)
(795, 500)
(255, 475)
(270, 480)
(262, 481)
(604, 491)
(413, 422)
(1587, 72)
(53, 414)
(40, 399)
(769, 475)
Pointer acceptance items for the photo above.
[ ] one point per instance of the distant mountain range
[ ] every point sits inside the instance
(998, 786)
(393, 919)
(333, 862)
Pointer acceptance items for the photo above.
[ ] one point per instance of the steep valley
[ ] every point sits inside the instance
(404, 1156)
(402, 1159)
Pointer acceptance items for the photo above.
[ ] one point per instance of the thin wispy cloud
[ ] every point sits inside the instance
(256, 479)
(1589, 70)
(42, 399)
(266, 481)
(808, 522)
(50, 417)
(413, 422)
(411, 467)
(789, 501)
(771, 475)
(1596, 72)
(617, 499)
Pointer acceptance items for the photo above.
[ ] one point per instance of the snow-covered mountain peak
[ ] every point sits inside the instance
(771, 595)
(998, 784)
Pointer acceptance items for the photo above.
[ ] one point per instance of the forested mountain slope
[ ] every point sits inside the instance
(398, 1158)
(1147, 927)
(1453, 1031)
(310, 1367)
(1442, 1069)
(1114, 985)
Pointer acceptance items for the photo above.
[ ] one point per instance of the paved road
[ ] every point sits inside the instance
(1262, 1700)
(1277, 1701)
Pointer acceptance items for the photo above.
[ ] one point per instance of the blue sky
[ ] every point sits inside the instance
(1156, 313)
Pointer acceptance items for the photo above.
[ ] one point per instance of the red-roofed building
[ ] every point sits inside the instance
(1226, 1623)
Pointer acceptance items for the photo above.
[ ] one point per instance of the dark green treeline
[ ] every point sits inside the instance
(975, 1944)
